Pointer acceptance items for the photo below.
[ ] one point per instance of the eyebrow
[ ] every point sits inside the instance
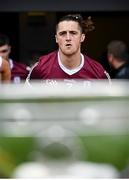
(63, 32)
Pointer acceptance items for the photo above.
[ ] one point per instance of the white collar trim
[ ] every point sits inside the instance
(71, 71)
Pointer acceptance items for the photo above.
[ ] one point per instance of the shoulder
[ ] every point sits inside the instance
(45, 61)
(47, 58)
(93, 63)
(6, 72)
(95, 66)
(19, 71)
(4, 64)
(44, 64)
(20, 65)
(122, 72)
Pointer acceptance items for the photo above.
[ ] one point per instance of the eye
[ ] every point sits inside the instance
(62, 33)
(73, 32)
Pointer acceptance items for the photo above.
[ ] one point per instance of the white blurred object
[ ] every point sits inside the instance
(92, 170)
(31, 170)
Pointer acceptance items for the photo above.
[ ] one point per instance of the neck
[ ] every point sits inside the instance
(118, 64)
(71, 61)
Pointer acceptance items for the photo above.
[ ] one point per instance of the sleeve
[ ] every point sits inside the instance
(34, 73)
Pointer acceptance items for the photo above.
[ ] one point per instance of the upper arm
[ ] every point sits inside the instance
(5, 71)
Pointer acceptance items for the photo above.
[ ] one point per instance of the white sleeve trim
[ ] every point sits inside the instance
(1, 61)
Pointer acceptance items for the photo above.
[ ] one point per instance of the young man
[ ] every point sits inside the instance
(5, 72)
(118, 58)
(19, 71)
(68, 62)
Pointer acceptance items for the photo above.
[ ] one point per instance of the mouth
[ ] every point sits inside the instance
(68, 45)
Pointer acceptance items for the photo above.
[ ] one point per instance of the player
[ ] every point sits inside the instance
(19, 71)
(68, 62)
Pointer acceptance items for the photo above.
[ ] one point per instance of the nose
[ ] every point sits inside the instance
(68, 36)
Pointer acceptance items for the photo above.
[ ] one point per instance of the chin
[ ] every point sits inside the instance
(69, 53)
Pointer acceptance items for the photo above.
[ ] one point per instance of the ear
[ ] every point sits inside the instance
(82, 37)
(56, 39)
(9, 49)
(110, 58)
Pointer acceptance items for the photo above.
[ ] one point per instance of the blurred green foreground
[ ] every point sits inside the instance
(57, 125)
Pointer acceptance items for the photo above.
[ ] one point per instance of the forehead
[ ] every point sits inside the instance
(68, 26)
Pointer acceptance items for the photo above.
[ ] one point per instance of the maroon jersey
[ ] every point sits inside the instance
(48, 68)
(19, 71)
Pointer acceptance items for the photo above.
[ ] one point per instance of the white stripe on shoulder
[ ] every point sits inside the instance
(28, 77)
(108, 77)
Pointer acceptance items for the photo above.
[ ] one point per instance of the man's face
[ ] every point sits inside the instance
(5, 51)
(69, 37)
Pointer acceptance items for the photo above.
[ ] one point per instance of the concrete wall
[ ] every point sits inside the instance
(64, 5)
